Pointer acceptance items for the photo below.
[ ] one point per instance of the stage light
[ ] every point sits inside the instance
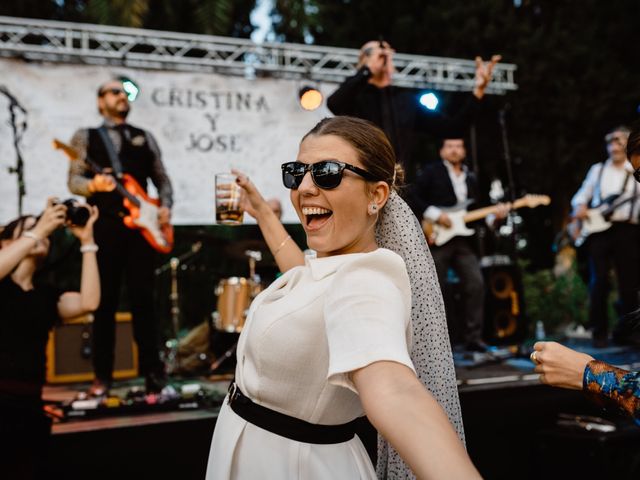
(429, 100)
(130, 87)
(310, 97)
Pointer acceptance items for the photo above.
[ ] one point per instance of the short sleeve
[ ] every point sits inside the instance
(367, 315)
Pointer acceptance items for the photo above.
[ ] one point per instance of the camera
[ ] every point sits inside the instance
(77, 214)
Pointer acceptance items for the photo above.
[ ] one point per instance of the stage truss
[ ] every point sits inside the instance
(61, 42)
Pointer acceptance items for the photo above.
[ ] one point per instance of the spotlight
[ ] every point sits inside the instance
(130, 87)
(429, 100)
(310, 97)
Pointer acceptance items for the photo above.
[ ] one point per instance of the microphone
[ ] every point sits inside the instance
(382, 47)
(12, 99)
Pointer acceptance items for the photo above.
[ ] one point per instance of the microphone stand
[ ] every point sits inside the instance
(508, 163)
(173, 361)
(17, 137)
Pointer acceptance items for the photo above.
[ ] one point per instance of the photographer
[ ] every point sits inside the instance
(28, 310)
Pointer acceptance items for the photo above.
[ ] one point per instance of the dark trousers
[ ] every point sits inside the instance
(124, 254)
(618, 248)
(458, 255)
(25, 431)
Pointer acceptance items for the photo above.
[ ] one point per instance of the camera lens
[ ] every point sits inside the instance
(76, 214)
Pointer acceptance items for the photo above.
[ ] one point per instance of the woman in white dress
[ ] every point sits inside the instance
(329, 340)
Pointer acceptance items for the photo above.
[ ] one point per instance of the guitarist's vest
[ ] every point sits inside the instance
(136, 158)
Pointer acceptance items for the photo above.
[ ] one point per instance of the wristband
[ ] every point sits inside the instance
(92, 247)
(31, 235)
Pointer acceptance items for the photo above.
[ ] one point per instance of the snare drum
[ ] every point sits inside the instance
(234, 297)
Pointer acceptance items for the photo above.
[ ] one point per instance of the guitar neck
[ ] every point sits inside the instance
(481, 213)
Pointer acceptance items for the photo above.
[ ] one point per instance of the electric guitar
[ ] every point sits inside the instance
(597, 219)
(143, 210)
(438, 235)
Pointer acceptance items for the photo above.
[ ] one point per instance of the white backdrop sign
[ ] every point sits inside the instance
(204, 124)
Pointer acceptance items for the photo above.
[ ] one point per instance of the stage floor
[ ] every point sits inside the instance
(510, 422)
(506, 369)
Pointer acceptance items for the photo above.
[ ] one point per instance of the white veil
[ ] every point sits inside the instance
(398, 230)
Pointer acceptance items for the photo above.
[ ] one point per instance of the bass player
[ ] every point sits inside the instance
(617, 246)
(124, 253)
(445, 184)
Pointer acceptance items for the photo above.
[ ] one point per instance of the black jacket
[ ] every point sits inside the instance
(398, 112)
(433, 187)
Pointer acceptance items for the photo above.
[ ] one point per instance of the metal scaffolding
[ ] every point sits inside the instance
(61, 42)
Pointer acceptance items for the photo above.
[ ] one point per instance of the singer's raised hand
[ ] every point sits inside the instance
(484, 73)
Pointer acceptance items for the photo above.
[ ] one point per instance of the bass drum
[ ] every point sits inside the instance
(234, 298)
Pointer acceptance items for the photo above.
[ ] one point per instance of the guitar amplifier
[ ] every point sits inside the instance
(70, 346)
(504, 319)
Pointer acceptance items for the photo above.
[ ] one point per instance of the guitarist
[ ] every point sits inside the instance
(123, 253)
(618, 246)
(445, 184)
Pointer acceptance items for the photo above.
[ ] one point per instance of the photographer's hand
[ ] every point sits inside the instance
(85, 233)
(53, 217)
(16, 249)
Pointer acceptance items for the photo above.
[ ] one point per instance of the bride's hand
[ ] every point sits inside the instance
(252, 200)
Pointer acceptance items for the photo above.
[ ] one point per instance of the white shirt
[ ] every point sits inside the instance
(595, 188)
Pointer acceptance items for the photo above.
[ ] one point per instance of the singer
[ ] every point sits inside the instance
(371, 95)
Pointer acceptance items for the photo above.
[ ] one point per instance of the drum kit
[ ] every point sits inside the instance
(233, 299)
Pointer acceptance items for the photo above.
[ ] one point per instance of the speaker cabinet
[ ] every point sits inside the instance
(70, 346)
(504, 319)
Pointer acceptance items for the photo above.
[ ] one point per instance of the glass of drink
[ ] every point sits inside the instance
(228, 197)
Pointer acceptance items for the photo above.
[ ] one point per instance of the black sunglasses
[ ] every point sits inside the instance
(326, 174)
(113, 91)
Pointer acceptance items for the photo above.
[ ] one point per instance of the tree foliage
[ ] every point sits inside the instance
(577, 74)
(213, 17)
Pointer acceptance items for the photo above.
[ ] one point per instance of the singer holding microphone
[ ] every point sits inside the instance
(371, 95)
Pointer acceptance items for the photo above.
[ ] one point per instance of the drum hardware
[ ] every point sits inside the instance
(235, 295)
(172, 360)
(215, 365)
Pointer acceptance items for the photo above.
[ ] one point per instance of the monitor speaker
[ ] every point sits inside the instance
(69, 350)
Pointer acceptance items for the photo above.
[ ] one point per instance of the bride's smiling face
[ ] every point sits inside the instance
(336, 221)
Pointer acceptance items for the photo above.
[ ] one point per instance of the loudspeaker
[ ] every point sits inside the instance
(69, 350)
(504, 319)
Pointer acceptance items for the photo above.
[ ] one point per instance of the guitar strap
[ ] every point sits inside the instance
(599, 185)
(635, 196)
(111, 151)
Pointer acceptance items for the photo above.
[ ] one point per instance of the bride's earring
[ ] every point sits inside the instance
(373, 209)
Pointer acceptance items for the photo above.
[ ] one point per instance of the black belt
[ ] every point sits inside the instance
(286, 426)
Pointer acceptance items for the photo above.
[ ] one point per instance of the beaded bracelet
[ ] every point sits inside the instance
(92, 247)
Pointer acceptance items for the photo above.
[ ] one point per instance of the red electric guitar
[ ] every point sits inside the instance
(143, 210)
